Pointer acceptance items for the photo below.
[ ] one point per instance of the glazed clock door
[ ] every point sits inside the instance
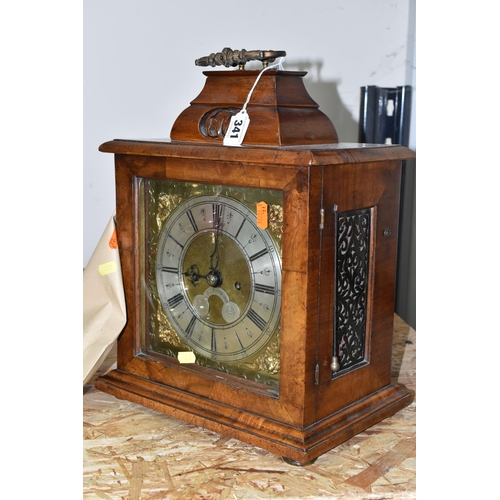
(213, 270)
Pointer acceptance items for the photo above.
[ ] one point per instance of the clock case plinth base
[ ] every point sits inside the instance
(296, 444)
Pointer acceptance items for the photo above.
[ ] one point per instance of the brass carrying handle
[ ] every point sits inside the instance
(230, 58)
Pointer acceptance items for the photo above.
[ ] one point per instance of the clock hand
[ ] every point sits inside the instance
(214, 277)
(217, 214)
(193, 273)
(215, 254)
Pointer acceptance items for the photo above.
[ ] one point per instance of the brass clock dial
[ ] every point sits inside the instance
(219, 278)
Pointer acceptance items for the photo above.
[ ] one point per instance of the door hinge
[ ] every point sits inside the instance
(316, 374)
(321, 218)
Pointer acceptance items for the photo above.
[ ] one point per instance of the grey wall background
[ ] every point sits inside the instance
(139, 73)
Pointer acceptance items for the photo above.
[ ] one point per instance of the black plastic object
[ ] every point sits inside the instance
(382, 121)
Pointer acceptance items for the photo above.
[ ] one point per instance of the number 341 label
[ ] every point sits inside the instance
(237, 129)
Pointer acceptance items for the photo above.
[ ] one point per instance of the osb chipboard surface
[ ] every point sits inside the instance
(132, 452)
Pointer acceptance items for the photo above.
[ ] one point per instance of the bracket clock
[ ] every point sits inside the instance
(259, 279)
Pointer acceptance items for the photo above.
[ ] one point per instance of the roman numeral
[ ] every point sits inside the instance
(214, 342)
(169, 270)
(265, 289)
(217, 211)
(170, 236)
(239, 341)
(256, 320)
(192, 221)
(257, 255)
(239, 229)
(174, 301)
(190, 327)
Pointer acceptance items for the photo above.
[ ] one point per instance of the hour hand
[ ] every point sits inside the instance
(193, 274)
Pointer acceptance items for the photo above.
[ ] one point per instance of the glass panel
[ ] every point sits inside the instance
(214, 276)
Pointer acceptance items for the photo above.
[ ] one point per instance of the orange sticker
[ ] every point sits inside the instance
(262, 217)
(113, 241)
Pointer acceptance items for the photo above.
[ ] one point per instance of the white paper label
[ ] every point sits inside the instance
(237, 129)
(186, 357)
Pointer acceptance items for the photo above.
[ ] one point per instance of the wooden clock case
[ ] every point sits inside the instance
(290, 146)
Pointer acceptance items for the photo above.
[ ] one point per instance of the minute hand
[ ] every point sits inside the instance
(214, 277)
(215, 255)
(218, 215)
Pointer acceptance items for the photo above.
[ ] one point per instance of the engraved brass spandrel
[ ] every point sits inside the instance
(165, 331)
(166, 204)
(276, 222)
(269, 360)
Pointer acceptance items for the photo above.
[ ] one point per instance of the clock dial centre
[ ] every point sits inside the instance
(211, 283)
(214, 278)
